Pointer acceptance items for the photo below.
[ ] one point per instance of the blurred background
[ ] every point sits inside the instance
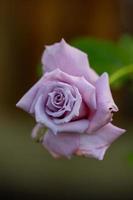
(103, 29)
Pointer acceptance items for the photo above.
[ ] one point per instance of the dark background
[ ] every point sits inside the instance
(26, 170)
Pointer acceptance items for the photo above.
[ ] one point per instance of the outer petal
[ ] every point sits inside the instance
(86, 89)
(64, 144)
(68, 59)
(26, 101)
(96, 144)
(105, 104)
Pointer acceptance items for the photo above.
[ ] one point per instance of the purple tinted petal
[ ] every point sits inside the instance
(41, 116)
(50, 105)
(86, 89)
(74, 111)
(26, 101)
(53, 97)
(63, 144)
(96, 144)
(66, 107)
(68, 59)
(56, 114)
(79, 126)
(105, 104)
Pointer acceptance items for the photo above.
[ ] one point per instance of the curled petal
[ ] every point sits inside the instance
(96, 144)
(68, 59)
(86, 89)
(28, 101)
(49, 80)
(63, 144)
(75, 110)
(65, 106)
(79, 126)
(105, 104)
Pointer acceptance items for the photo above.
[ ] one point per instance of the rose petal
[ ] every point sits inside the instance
(63, 144)
(68, 103)
(105, 104)
(79, 126)
(50, 106)
(26, 101)
(49, 80)
(86, 89)
(96, 144)
(68, 59)
(74, 111)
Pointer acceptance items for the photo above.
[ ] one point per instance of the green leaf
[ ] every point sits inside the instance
(103, 55)
(116, 58)
(126, 46)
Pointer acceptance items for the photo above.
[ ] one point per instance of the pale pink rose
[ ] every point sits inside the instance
(74, 103)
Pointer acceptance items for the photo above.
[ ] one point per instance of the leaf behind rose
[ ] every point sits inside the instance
(109, 56)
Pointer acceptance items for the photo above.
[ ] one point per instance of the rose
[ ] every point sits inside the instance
(74, 103)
